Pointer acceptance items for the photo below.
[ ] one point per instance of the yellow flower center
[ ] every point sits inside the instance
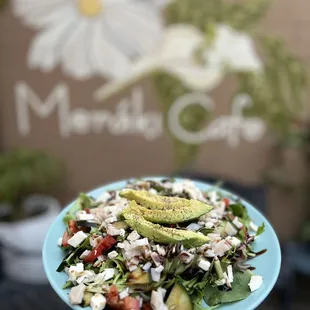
(90, 8)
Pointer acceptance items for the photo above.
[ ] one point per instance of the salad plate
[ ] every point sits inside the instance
(217, 248)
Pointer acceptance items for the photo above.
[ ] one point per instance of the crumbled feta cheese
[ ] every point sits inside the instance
(76, 294)
(112, 254)
(132, 267)
(94, 241)
(85, 254)
(99, 278)
(186, 257)
(255, 283)
(147, 266)
(77, 239)
(133, 236)
(84, 216)
(237, 223)
(235, 242)
(230, 274)
(160, 250)
(156, 258)
(141, 242)
(209, 253)
(120, 245)
(177, 188)
(80, 279)
(155, 275)
(104, 197)
(214, 237)
(124, 293)
(209, 224)
(86, 277)
(79, 267)
(72, 273)
(111, 230)
(101, 258)
(111, 219)
(221, 247)
(204, 264)
(108, 273)
(159, 269)
(157, 300)
(230, 229)
(253, 227)
(59, 242)
(98, 302)
(193, 227)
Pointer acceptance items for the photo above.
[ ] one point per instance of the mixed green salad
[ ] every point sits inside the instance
(159, 245)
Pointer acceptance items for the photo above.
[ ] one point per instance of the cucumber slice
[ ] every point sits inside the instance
(179, 299)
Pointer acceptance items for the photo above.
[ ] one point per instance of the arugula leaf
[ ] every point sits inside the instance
(240, 290)
(81, 203)
(261, 229)
(242, 213)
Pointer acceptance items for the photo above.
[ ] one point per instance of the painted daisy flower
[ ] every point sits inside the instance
(177, 55)
(90, 37)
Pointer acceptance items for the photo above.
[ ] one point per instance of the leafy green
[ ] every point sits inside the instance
(70, 258)
(81, 203)
(68, 284)
(261, 229)
(241, 211)
(240, 290)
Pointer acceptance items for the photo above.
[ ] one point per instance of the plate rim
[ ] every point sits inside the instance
(114, 184)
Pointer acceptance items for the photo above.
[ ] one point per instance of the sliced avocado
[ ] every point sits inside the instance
(159, 233)
(86, 299)
(179, 299)
(157, 202)
(139, 277)
(120, 225)
(171, 216)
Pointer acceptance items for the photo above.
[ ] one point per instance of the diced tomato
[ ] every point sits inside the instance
(130, 303)
(114, 301)
(104, 245)
(146, 306)
(226, 200)
(73, 227)
(87, 210)
(113, 298)
(65, 239)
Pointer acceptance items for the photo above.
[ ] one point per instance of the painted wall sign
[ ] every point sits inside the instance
(161, 80)
(129, 117)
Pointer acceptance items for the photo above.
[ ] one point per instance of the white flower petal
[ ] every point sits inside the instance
(74, 54)
(44, 50)
(36, 12)
(233, 49)
(134, 27)
(105, 58)
(180, 42)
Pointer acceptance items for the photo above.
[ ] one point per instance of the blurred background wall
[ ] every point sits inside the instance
(101, 89)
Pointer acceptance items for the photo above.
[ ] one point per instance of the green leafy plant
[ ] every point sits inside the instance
(24, 172)
(278, 92)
